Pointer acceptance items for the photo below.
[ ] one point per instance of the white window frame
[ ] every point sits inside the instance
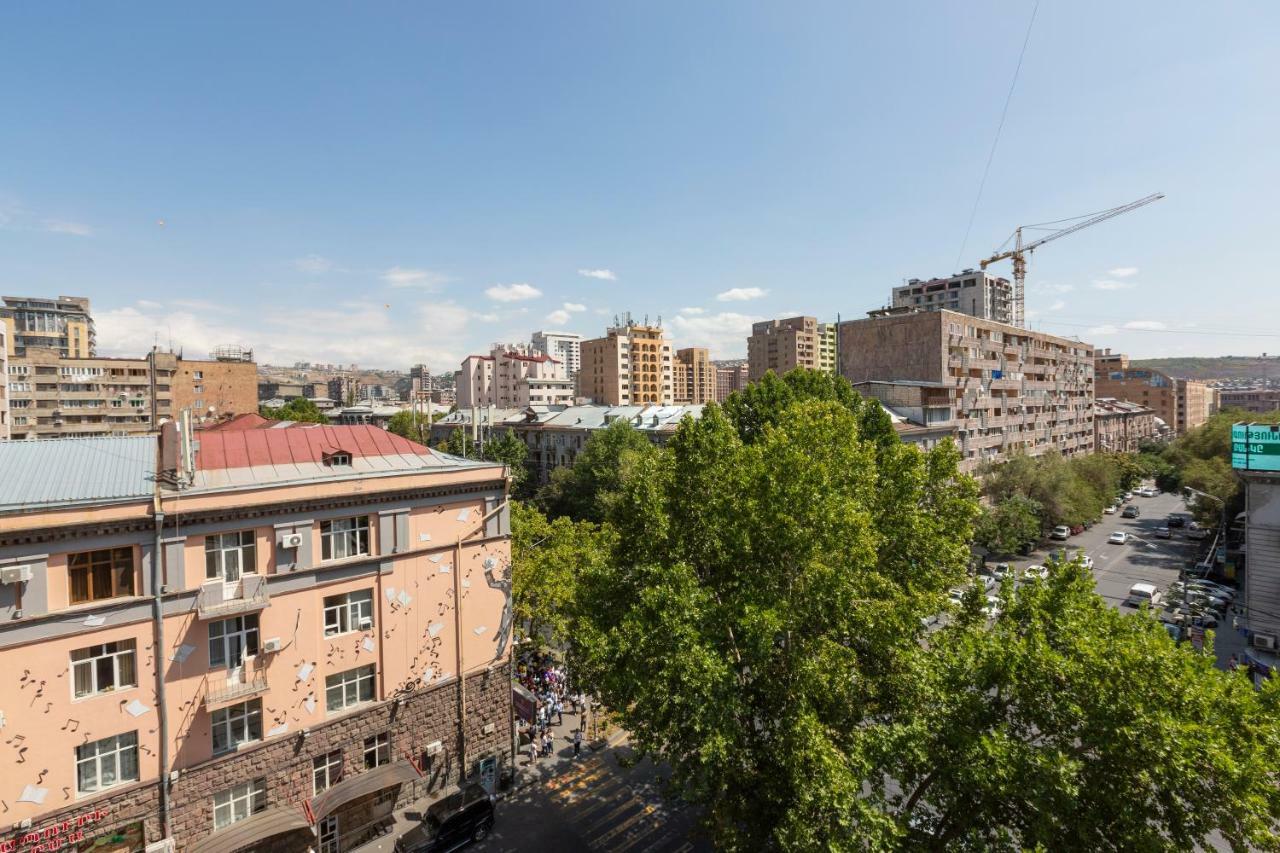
(326, 771)
(238, 803)
(103, 663)
(343, 613)
(349, 687)
(329, 835)
(343, 538)
(236, 632)
(377, 750)
(238, 724)
(233, 555)
(114, 757)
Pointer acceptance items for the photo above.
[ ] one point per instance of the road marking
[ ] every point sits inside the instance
(624, 826)
(600, 821)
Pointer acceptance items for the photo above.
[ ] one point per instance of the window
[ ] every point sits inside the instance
(229, 555)
(352, 611)
(377, 750)
(237, 725)
(101, 669)
(326, 770)
(344, 537)
(329, 835)
(106, 763)
(231, 639)
(97, 575)
(338, 458)
(239, 802)
(348, 688)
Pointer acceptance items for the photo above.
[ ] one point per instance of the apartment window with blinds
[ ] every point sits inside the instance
(326, 771)
(344, 537)
(98, 575)
(350, 688)
(235, 726)
(239, 802)
(229, 555)
(106, 763)
(352, 611)
(104, 668)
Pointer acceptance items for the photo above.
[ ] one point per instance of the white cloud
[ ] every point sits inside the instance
(1055, 288)
(62, 226)
(741, 294)
(558, 317)
(1103, 330)
(574, 307)
(603, 275)
(512, 292)
(1058, 305)
(148, 305)
(691, 312)
(1146, 325)
(1112, 284)
(1123, 272)
(413, 277)
(725, 334)
(313, 264)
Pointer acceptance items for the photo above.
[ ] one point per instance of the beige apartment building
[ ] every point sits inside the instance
(694, 376)
(784, 345)
(630, 365)
(4, 381)
(63, 325)
(1182, 404)
(1120, 426)
(269, 640)
(731, 376)
(1002, 388)
(513, 375)
(974, 292)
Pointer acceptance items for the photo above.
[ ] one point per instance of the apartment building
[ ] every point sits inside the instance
(1182, 404)
(974, 292)
(304, 630)
(564, 347)
(1004, 389)
(513, 375)
(4, 382)
(694, 376)
(63, 325)
(731, 375)
(52, 397)
(827, 338)
(784, 345)
(1259, 401)
(1120, 426)
(630, 365)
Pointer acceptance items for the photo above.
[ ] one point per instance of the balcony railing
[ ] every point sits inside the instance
(219, 692)
(217, 600)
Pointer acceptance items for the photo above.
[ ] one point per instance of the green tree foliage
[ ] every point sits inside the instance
(406, 425)
(1201, 459)
(504, 446)
(1010, 527)
(586, 490)
(1068, 491)
(547, 556)
(759, 609)
(299, 409)
(762, 403)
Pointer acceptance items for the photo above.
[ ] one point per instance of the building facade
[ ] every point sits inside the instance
(784, 345)
(4, 381)
(1004, 389)
(827, 347)
(694, 377)
(63, 325)
(1183, 404)
(630, 365)
(513, 376)
(564, 347)
(1259, 401)
(304, 630)
(974, 292)
(1120, 426)
(731, 376)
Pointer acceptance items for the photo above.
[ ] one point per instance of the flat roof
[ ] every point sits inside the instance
(69, 471)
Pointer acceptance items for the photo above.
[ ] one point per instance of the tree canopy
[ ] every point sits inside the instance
(547, 556)
(501, 446)
(299, 409)
(585, 490)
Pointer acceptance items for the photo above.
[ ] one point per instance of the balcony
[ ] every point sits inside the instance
(222, 691)
(217, 600)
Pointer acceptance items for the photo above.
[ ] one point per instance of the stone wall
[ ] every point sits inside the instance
(96, 818)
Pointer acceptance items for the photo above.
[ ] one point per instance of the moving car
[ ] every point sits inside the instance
(1061, 532)
(452, 823)
(1118, 538)
(1177, 521)
(1147, 492)
(1164, 533)
(1130, 511)
(1142, 593)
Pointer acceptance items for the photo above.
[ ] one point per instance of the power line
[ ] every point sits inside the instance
(1120, 327)
(991, 155)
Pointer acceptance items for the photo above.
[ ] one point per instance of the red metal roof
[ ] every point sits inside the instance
(246, 448)
(247, 420)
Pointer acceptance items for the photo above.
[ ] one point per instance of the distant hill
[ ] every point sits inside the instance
(1225, 367)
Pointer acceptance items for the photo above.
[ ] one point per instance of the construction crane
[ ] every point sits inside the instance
(1020, 250)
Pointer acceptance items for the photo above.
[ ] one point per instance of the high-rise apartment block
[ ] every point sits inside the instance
(974, 292)
(694, 376)
(1182, 404)
(1001, 388)
(513, 376)
(269, 639)
(731, 375)
(564, 347)
(784, 345)
(630, 365)
(63, 325)
(4, 381)
(827, 347)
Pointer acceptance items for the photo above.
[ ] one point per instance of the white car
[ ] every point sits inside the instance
(1147, 493)
(1118, 538)
(956, 596)
(1035, 572)
(1061, 532)
(992, 607)
(1086, 561)
(1111, 510)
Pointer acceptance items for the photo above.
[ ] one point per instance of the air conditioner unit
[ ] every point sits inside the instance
(290, 540)
(16, 574)
(271, 646)
(366, 622)
(1265, 641)
(434, 748)
(488, 729)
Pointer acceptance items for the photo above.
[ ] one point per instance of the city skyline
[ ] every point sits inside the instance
(481, 176)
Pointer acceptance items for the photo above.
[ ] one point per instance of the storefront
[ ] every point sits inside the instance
(83, 833)
(360, 809)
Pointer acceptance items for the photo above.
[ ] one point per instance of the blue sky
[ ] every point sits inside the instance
(388, 183)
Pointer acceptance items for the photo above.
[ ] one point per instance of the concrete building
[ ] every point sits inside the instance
(4, 382)
(298, 632)
(630, 365)
(694, 377)
(784, 345)
(513, 375)
(1004, 389)
(223, 386)
(1120, 426)
(63, 325)
(1259, 401)
(974, 292)
(731, 375)
(564, 347)
(1183, 404)
(827, 338)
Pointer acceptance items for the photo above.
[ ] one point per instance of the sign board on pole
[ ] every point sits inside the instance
(1255, 447)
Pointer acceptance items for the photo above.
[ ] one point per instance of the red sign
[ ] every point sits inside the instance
(55, 836)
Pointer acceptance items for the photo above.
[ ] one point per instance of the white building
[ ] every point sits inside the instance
(564, 347)
(513, 376)
(976, 293)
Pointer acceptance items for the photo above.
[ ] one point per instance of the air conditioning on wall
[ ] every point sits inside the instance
(271, 646)
(1264, 641)
(16, 574)
(290, 540)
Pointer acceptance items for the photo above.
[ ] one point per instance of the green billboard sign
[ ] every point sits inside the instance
(1255, 447)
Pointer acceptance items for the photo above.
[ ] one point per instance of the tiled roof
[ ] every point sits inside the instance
(35, 474)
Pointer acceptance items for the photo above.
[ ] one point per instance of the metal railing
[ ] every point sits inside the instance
(211, 603)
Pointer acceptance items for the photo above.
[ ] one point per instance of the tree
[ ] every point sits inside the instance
(406, 425)
(298, 409)
(585, 490)
(762, 403)
(546, 557)
(1010, 526)
(501, 446)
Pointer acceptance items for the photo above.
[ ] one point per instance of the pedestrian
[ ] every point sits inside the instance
(559, 708)
(577, 742)
(548, 742)
(1231, 664)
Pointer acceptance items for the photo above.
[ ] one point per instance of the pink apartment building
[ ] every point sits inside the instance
(513, 377)
(270, 640)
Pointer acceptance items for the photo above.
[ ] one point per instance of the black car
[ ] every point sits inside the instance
(1177, 521)
(451, 823)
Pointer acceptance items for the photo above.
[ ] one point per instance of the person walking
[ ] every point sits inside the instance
(577, 742)
(559, 709)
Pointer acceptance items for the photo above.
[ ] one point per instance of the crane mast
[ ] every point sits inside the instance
(1018, 254)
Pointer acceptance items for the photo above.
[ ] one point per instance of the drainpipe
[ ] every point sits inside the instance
(162, 708)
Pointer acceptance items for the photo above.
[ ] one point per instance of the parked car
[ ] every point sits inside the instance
(1110, 510)
(1085, 560)
(1147, 492)
(1143, 593)
(1177, 521)
(1118, 538)
(1164, 533)
(1218, 589)
(955, 596)
(992, 607)
(1002, 571)
(1035, 573)
(451, 823)
(1061, 532)
(1130, 511)
(1197, 534)
(1128, 496)
(1077, 529)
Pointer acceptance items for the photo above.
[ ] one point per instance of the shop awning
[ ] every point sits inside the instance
(249, 831)
(364, 783)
